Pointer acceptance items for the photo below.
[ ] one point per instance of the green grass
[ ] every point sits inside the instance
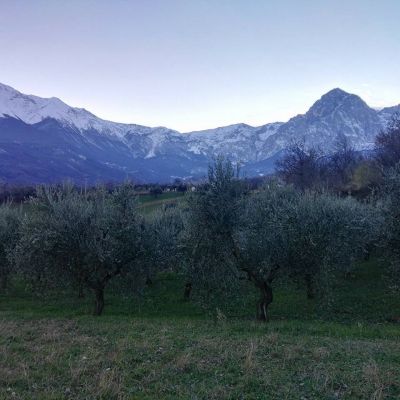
(148, 198)
(149, 203)
(162, 347)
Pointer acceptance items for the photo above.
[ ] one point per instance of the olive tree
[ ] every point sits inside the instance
(391, 227)
(213, 214)
(162, 250)
(263, 240)
(327, 234)
(82, 239)
(232, 235)
(302, 236)
(9, 232)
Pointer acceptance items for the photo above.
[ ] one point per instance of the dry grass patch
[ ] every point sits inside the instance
(146, 359)
(250, 357)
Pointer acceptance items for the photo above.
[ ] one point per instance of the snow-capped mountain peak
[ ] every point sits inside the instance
(336, 100)
(53, 141)
(33, 109)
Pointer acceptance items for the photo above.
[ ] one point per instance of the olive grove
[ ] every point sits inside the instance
(224, 240)
(277, 232)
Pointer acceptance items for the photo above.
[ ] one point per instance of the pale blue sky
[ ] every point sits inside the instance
(199, 64)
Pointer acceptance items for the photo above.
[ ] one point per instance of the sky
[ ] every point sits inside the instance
(198, 64)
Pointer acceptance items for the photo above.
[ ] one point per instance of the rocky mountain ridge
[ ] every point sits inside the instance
(45, 140)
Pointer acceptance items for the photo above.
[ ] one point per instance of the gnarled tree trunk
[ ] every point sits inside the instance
(81, 292)
(188, 291)
(264, 301)
(3, 281)
(310, 286)
(99, 300)
(149, 281)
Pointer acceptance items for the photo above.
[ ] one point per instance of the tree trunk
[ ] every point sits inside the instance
(264, 301)
(188, 291)
(3, 282)
(81, 293)
(310, 287)
(99, 302)
(81, 285)
(149, 281)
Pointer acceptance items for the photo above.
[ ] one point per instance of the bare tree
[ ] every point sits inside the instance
(388, 144)
(342, 164)
(300, 166)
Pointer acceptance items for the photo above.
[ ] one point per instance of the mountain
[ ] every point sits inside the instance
(335, 114)
(46, 140)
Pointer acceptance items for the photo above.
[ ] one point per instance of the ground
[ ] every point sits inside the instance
(149, 203)
(161, 347)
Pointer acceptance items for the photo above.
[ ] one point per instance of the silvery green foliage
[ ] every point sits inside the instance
(80, 238)
(263, 235)
(232, 235)
(164, 229)
(306, 237)
(9, 233)
(34, 253)
(327, 235)
(213, 215)
(391, 228)
(161, 248)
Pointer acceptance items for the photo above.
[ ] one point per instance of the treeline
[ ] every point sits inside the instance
(224, 237)
(17, 194)
(344, 170)
(20, 193)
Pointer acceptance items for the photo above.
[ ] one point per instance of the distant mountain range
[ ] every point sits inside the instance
(45, 140)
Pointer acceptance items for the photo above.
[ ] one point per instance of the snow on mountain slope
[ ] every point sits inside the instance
(386, 114)
(241, 141)
(43, 133)
(33, 109)
(334, 115)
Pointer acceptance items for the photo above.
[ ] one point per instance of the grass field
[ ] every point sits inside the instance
(149, 203)
(160, 347)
